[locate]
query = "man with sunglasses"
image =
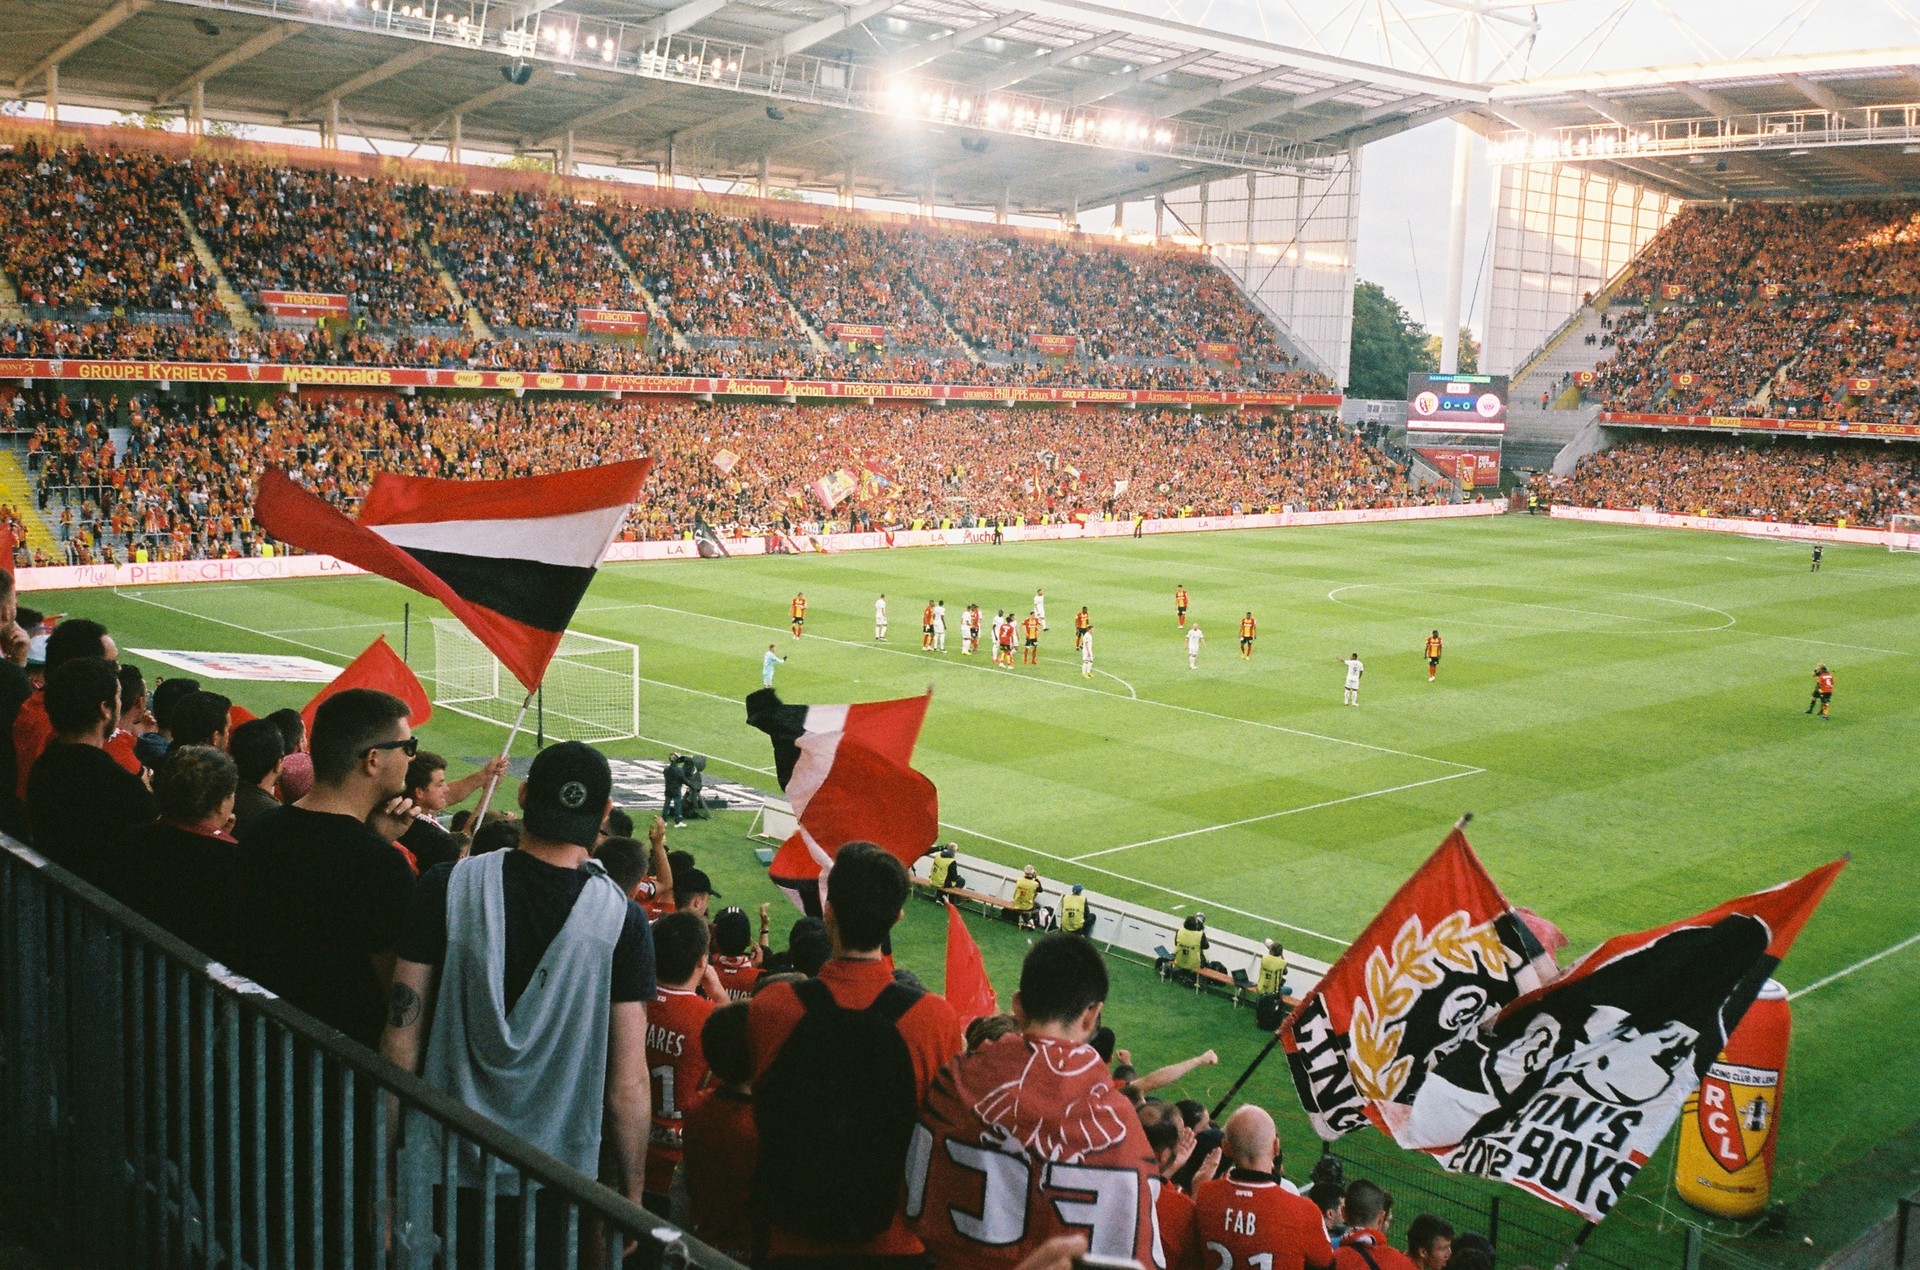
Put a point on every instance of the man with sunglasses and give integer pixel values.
(321, 887)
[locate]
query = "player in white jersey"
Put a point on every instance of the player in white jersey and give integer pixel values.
(1086, 654)
(1040, 607)
(880, 617)
(1194, 640)
(1355, 669)
(940, 626)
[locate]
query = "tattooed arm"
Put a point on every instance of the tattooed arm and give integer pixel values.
(400, 1042)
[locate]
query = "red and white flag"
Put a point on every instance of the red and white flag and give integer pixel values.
(968, 990)
(511, 559)
(847, 772)
(380, 668)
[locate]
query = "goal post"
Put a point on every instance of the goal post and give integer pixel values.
(591, 691)
(1903, 533)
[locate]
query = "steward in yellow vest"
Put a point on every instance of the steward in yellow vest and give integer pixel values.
(1074, 917)
(1273, 969)
(1189, 942)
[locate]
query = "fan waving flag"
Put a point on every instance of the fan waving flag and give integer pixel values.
(1568, 1090)
(379, 668)
(511, 559)
(847, 771)
(1444, 955)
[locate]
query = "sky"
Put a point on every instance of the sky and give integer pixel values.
(1406, 180)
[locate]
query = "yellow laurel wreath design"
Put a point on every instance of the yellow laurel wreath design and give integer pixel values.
(1419, 962)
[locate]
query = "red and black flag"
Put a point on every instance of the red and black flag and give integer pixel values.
(1568, 1090)
(1445, 954)
(848, 774)
(511, 559)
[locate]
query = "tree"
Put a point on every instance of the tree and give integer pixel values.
(1387, 346)
(1469, 352)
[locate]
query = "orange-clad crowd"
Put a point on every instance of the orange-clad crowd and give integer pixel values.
(98, 245)
(1860, 483)
(1772, 309)
(182, 483)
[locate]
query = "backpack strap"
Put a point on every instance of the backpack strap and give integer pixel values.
(1366, 1253)
(895, 1000)
(815, 996)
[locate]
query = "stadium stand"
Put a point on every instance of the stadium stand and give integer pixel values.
(182, 486)
(1861, 483)
(99, 249)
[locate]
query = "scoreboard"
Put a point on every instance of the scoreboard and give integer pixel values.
(1474, 404)
(1457, 422)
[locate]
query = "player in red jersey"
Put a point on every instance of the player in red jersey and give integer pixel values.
(1180, 604)
(1006, 643)
(1246, 1218)
(1433, 655)
(675, 1060)
(1027, 1137)
(1822, 690)
(798, 612)
(1030, 627)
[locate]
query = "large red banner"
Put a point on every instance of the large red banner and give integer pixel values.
(611, 321)
(241, 373)
(1214, 351)
(1861, 385)
(1053, 345)
(1474, 468)
(314, 304)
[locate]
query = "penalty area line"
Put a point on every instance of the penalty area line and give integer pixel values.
(1275, 815)
(1861, 964)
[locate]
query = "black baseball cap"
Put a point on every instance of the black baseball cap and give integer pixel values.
(568, 789)
(694, 882)
(732, 933)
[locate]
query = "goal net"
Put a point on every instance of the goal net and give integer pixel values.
(591, 692)
(1904, 533)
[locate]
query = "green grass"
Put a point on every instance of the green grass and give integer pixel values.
(1622, 709)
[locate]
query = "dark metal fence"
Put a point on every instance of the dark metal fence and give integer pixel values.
(158, 1110)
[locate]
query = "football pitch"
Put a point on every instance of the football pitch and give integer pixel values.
(1621, 709)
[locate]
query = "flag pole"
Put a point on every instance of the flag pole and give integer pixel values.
(1579, 1241)
(505, 750)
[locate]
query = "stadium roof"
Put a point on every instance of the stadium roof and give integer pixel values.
(1816, 125)
(1050, 105)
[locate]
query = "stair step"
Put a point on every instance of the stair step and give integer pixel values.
(654, 308)
(238, 314)
(18, 492)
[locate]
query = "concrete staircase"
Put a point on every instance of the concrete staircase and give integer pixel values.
(17, 492)
(953, 337)
(12, 312)
(654, 308)
(239, 316)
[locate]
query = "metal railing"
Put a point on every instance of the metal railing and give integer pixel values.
(158, 1110)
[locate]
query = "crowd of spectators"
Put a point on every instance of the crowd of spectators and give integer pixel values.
(1772, 309)
(766, 1098)
(94, 241)
(1861, 483)
(88, 230)
(181, 485)
(292, 229)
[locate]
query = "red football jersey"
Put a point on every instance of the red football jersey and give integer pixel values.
(1243, 1216)
(1024, 1139)
(737, 975)
(678, 1069)
(722, 1146)
(1179, 1238)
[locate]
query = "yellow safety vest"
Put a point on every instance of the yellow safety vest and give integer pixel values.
(942, 870)
(1273, 973)
(1024, 892)
(1186, 949)
(1073, 912)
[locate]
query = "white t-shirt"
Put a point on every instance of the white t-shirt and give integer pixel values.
(1193, 640)
(1354, 667)
(1039, 604)
(879, 610)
